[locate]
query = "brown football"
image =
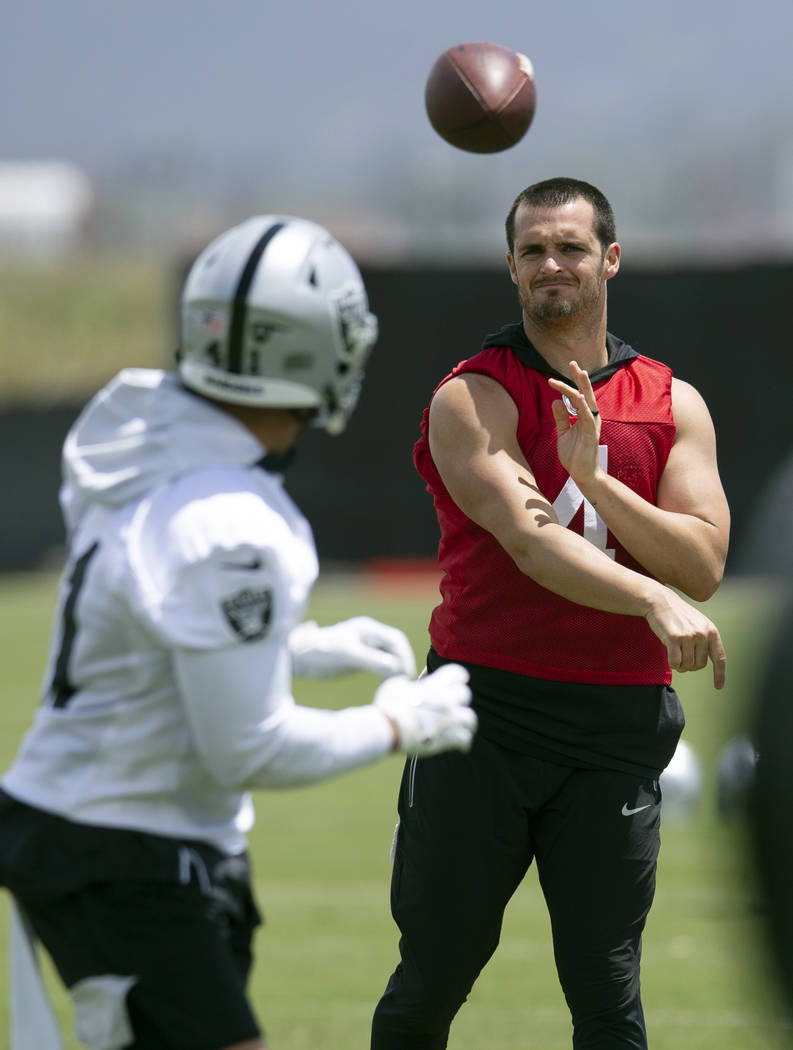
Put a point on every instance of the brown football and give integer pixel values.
(481, 97)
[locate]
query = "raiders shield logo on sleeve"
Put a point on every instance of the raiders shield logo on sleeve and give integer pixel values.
(249, 612)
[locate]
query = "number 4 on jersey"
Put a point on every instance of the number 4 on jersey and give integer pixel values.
(570, 499)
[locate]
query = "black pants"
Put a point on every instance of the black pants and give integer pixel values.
(470, 826)
(176, 918)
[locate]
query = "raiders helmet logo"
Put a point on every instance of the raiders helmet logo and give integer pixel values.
(249, 612)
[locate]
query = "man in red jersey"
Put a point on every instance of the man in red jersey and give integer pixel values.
(575, 483)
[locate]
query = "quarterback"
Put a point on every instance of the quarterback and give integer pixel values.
(576, 487)
(123, 818)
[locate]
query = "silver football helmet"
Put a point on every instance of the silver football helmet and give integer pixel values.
(681, 783)
(274, 313)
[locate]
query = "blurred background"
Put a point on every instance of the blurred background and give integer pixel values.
(132, 134)
(181, 115)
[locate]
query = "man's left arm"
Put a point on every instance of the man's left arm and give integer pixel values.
(681, 540)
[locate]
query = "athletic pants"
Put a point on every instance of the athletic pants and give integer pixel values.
(151, 935)
(470, 826)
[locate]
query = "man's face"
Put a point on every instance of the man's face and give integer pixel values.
(558, 264)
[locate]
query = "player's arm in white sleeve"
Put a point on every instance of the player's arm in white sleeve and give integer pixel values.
(226, 608)
(251, 733)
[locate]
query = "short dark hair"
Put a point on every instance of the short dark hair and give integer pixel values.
(553, 193)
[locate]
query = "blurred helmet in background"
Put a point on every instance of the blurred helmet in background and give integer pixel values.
(274, 314)
(735, 774)
(681, 783)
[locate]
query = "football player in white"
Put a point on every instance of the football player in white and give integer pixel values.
(123, 819)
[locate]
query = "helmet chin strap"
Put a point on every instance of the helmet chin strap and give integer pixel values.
(277, 462)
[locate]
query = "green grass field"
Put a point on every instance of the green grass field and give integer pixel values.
(322, 871)
(69, 327)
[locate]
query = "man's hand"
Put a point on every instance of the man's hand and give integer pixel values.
(359, 644)
(577, 444)
(691, 639)
(432, 714)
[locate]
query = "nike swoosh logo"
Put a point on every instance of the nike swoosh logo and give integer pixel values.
(626, 812)
(243, 566)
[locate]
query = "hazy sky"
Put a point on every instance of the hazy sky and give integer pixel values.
(681, 111)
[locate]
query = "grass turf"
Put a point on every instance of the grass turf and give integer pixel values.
(68, 328)
(321, 865)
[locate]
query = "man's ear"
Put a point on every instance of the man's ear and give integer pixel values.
(611, 261)
(511, 265)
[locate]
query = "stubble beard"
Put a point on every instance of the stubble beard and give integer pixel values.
(551, 309)
(557, 309)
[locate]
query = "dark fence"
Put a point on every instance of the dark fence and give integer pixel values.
(725, 331)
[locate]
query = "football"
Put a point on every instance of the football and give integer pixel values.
(481, 97)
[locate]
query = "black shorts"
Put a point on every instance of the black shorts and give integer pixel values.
(175, 918)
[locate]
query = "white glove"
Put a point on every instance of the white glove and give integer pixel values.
(431, 714)
(359, 644)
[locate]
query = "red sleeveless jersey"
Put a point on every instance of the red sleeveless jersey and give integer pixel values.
(494, 615)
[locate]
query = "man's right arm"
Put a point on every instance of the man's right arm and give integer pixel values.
(473, 441)
(250, 732)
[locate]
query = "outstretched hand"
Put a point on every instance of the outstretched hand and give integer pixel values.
(577, 443)
(432, 714)
(359, 644)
